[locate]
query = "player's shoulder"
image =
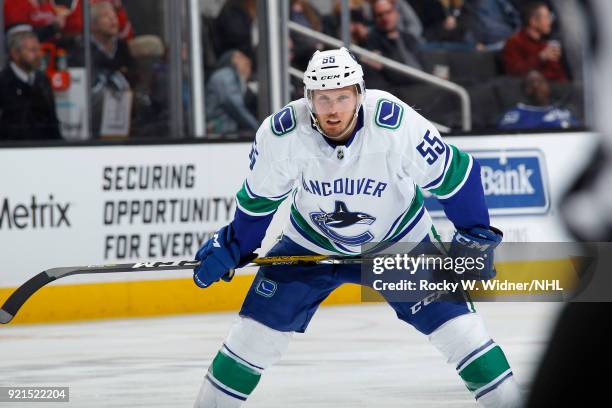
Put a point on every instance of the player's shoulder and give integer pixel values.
(277, 133)
(288, 120)
(388, 113)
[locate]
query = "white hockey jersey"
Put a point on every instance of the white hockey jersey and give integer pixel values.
(366, 191)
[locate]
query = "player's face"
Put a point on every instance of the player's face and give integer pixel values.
(334, 109)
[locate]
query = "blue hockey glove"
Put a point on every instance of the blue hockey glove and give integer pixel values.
(478, 244)
(218, 256)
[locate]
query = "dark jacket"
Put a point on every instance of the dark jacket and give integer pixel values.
(233, 30)
(105, 65)
(433, 19)
(494, 21)
(27, 112)
(378, 41)
(109, 72)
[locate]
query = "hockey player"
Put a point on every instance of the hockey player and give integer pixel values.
(353, 163)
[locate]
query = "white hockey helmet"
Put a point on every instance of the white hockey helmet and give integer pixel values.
(333, 69)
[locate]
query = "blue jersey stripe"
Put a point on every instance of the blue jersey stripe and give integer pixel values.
(439, 179)
(410, 226)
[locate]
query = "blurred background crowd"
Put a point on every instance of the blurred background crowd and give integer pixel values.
(507, 55)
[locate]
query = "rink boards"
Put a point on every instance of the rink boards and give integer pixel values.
(63, 206)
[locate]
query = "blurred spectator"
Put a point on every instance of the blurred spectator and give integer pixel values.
(151, 98)
(303, 13)
(358, 18)
(388, 40)
(538, 113)
(110, 55)
(493, 22)
(46, 21)
(226, 94)
(409, 19)
(296, 85)
(112, 63)
(236, 28)
(27, 105)
(446, 22)
(74, 21)
(529, 48)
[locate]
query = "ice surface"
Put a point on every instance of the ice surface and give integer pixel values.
(351, 356)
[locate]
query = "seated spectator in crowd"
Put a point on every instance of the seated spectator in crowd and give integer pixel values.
(409, 20)
(530, 49)
(236, 28)
(446, 24)
(303, 13)
(226, 94)
(358, 18)
(538, 113)
(74, 20)
(493, 22)
(27, 104)
(46, 20)
(388, 40)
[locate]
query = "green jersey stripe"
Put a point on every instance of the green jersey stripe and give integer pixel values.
(256, 205)
(457, 172)
(484, 369)
(253, 214)
(415, 207)
(461, 183)
(234, 375)
(314, 236)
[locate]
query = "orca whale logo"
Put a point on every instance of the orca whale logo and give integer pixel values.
(341, 217)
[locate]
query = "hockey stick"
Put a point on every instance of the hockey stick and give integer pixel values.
(25, 291)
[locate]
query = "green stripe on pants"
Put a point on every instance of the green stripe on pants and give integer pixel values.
(484, 369)
(233, 374)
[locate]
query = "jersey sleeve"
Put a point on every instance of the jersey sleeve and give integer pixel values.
(266, 186)
(448, 173)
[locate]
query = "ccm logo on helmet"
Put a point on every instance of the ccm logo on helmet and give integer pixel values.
(324, 77)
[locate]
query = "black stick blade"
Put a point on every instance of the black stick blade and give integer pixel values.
(21, 295)
(5, 316)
